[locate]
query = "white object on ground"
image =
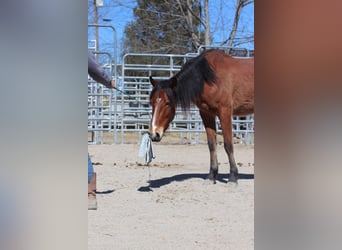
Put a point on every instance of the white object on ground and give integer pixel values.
(146, 148)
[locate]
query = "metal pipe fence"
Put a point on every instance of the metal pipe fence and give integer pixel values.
(117, 113)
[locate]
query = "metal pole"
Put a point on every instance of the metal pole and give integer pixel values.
(96, 20)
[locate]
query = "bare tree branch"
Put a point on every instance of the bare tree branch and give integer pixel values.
(239, 7)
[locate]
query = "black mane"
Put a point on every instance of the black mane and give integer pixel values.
(190, 81)
(191, 78)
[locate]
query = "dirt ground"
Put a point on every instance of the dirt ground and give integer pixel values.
(177, 208)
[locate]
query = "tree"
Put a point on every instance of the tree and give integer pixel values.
(162, 26)
(180, 26)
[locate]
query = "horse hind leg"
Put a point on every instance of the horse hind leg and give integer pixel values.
(213, 171)
(234, 174)
(210, 128)
(226, 125)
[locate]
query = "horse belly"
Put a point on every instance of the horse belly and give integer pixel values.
(243, 110)
(243, 99)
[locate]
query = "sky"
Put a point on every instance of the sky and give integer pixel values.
(221, 13)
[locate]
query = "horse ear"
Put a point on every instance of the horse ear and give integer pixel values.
(153, 82)
(173, 82)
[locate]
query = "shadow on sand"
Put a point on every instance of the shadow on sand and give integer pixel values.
(105, 192)
(182, 177)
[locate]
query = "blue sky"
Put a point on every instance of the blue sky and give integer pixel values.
(221, 18)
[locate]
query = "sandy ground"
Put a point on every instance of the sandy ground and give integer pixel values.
(178, 208)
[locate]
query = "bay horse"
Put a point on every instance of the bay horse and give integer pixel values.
(220, 86)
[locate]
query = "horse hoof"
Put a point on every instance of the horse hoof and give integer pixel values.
(233, 178)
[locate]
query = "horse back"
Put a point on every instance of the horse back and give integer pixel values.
(235, 82)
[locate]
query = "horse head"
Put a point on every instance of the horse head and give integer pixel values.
(163, 102)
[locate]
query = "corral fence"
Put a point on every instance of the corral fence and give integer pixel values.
(118, 113)
(101, 100)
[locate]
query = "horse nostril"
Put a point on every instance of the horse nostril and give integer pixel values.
(156, 137)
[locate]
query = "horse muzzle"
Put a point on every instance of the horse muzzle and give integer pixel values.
(156, 133)
(156, 136)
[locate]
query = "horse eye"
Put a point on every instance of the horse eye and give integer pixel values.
(168, 103)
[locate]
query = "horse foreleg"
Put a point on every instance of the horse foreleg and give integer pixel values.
(227, 130)
(210, 129)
